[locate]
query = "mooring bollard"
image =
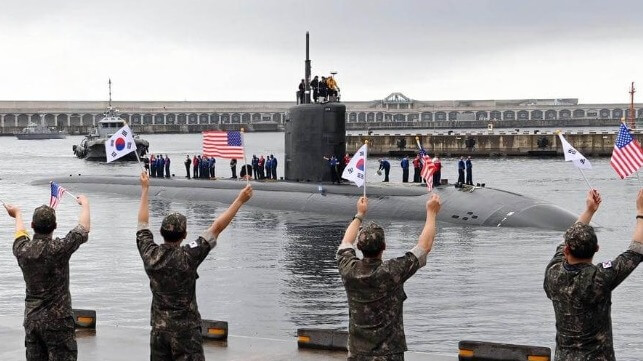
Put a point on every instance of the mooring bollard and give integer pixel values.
(214, 330)
(84, 318)
(490, 351)
(322, 339)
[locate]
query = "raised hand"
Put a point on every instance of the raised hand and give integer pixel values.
(82, 200)
(362, 205)
(13, 211)
(593, 200)
(433, 204)
(145, 180)
(245, 194)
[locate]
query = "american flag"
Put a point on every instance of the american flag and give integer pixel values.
(220, 144)
(56, 194)
(627, 156)
(427, 171)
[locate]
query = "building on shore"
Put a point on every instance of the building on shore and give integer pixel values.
(394, 111)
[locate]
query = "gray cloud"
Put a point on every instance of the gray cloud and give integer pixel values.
(375, 45)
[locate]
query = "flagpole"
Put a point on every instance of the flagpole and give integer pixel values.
(137, 158)
(245, 162)
(365, 158)
(135, 147)
(586, 181)
(638, 177)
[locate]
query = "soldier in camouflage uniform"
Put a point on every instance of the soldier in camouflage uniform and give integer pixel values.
(172, 270)
(44, 260)
(375, 288)
(582, 292)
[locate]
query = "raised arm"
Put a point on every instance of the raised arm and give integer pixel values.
(222, 221)
(84, 219)
(592, 201)
(638, 231)
(350, 236)
(14, 212)
(144, 208)
(428, 233)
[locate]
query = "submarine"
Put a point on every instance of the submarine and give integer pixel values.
(317, 130)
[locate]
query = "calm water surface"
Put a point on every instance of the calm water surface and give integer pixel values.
(274, 271)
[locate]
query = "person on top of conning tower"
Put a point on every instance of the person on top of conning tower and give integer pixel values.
(314, 84)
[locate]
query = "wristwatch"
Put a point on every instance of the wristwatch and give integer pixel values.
(357, 216)
(639, 217)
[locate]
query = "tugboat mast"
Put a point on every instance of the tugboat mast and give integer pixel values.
(631, 115)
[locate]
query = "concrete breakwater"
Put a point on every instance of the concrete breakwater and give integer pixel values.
(164, 129)
(487, 143)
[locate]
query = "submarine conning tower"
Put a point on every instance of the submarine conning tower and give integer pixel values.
(313, 131)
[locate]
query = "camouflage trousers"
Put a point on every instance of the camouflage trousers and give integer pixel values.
(392, 357)
(52, 341)
(176, 346)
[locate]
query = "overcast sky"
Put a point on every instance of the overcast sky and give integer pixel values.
(255, 49)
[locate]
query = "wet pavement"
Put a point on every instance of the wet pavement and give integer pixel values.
(110, 343)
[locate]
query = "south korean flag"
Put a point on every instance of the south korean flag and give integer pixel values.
(355, 171)
(572, 154)
(120, 144)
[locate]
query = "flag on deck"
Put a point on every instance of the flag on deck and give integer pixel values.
(220, 144)
(355, 171)
(572, 154)
(422, 152)
(56, 195)
(120, 144)
(428, 168)
(627, 157)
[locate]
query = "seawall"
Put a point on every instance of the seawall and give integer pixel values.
(488, 143)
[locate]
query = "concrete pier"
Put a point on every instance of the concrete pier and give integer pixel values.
(488, 143)
(127, 343)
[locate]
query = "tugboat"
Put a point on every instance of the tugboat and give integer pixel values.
(92, 147)
(35, 132)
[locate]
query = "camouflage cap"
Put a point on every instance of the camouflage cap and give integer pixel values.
(370, 239)
(581, 240)
(43, 217)
(174, 222)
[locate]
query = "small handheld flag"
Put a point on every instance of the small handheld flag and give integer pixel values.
(427, 171)
(572, 154)
(355, 171)
(422, 152)
(56, 195)
(627, 156)
(576, 157)
(120, 144)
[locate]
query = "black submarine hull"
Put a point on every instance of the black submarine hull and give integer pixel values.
(460, 206)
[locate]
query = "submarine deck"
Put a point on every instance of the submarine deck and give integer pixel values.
(469, 206)
(127, 343)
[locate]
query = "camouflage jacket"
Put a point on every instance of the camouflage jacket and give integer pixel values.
(375, 295)
(172, 272)
(582, 298)
(45, 267)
